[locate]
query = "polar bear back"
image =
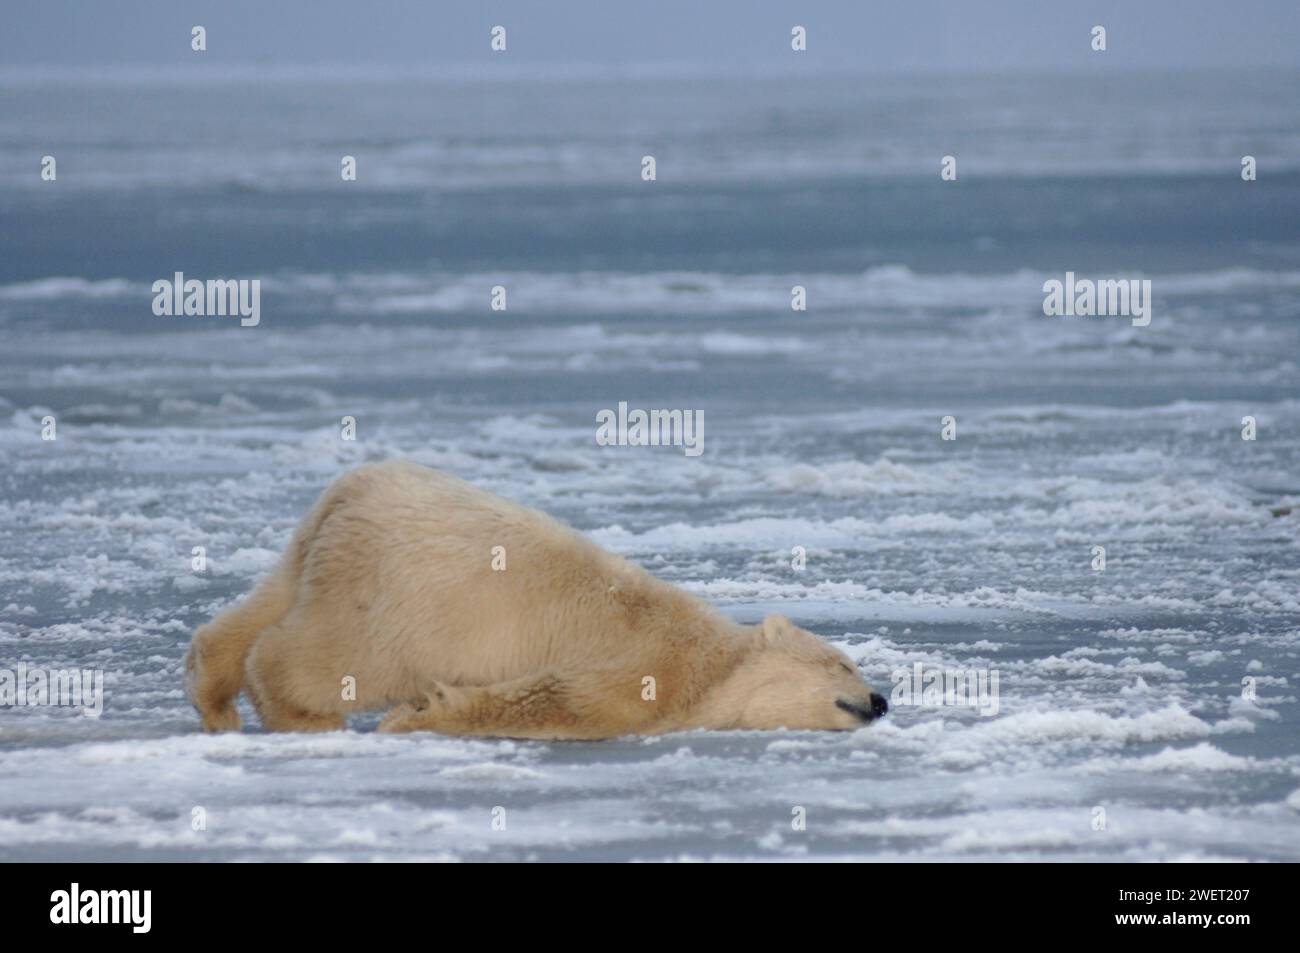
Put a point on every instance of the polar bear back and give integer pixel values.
(402, 567)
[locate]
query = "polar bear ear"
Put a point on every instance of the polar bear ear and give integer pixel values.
(775, 626)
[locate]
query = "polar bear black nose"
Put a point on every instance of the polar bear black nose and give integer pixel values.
(878, 706)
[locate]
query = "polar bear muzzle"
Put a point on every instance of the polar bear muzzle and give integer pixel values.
(867, 713)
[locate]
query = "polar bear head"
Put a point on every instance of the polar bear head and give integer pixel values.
(792, 679)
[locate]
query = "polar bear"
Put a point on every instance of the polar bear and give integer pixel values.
(467, 614)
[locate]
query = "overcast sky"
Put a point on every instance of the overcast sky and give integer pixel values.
(863, 34)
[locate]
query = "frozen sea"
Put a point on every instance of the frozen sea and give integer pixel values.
(1120, 690)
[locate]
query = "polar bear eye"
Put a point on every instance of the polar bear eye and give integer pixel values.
(847, 667)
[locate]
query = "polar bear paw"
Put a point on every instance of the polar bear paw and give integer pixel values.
(423, 716)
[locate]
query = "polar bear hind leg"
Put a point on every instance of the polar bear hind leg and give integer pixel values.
(283, 690)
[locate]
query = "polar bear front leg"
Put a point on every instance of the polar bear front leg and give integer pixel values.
(546, 707)
(435, 713)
